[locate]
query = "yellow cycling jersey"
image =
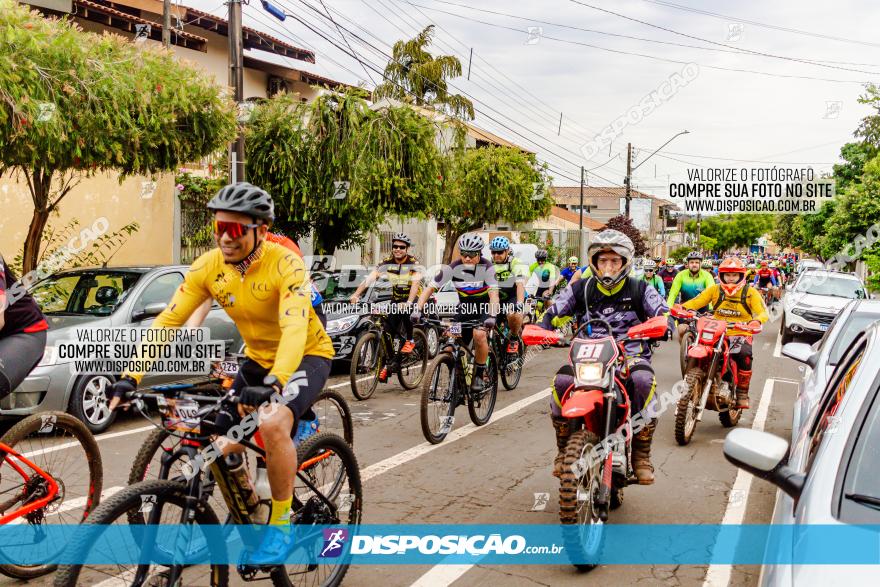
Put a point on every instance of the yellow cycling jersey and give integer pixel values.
(270, 305)
(732, 309)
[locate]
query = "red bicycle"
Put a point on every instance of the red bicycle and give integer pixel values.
(47, 483)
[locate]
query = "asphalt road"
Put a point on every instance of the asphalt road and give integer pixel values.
(496, 473)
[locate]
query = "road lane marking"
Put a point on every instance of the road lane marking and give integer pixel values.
(74, 503)
(738, 500)
(409, 454)
(442, 575)
(777, 350)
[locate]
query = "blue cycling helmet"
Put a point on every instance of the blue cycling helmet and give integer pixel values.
(499, 243)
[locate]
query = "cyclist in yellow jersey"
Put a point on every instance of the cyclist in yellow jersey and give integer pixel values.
(265, 289)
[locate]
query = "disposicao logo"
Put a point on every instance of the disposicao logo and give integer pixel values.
(334, 542)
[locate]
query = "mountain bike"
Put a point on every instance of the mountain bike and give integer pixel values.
(447, 383)
(56, 478)
(510, 362)
(323, 495)
(376, 350)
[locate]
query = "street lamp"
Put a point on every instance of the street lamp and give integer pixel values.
(684, 132)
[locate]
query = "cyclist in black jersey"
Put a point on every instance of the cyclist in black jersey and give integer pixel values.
(22, 331)
(404, 273)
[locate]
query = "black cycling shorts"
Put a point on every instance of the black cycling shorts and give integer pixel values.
(317, 370)
(19, 354)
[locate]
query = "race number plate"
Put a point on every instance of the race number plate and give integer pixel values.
(229, 368)
(455, 328)
(184, 415)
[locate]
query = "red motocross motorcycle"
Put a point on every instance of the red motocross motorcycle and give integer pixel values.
(598, 455)
(710, 376)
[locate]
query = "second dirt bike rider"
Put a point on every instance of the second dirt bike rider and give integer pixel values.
(690, 283)
(734, 301)
(623, 301)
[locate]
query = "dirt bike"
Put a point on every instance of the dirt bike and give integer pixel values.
(711, 376)
(598, 407)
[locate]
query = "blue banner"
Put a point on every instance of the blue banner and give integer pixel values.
(446, 544)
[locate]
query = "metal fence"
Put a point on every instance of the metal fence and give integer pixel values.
(195, 231)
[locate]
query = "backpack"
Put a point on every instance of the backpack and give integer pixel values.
(634, 290)
(742, 299)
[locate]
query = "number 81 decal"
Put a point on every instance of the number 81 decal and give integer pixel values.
(589, 351)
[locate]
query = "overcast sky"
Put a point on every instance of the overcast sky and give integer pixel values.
(521, 82)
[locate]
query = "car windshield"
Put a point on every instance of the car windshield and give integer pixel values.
(856, 324)
(339, 286)
(824, 285)
(90, 293)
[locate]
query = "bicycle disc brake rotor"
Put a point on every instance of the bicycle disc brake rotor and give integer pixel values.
(36, 488)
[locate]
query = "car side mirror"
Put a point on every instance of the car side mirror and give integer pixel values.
(801, 352)
(763, 455)
(150, 311)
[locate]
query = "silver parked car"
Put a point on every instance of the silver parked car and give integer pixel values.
(815, 299)
(104, 297)
(830, 476)
(820, 359)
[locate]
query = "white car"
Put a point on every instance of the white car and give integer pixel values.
(815, 300)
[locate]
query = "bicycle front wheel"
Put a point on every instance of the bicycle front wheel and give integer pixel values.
(367, 360)
(113, 516)
(413, 364)
(328, 491)
(482, 404)
(63, 447)
(438, 398)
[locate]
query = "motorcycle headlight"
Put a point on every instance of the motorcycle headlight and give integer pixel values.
(50, 357)
(590, 373)
(341, 324)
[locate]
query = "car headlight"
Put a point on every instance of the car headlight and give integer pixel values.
(590, 373)
(341, 324)
(798, 311)
(50, 357)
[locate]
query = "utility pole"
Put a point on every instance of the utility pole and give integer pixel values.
(629, 160)
(236, 80)
(166, 23)
(581, 219)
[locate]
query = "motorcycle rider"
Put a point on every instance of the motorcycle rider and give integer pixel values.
(689, 284)
(651, 277)
(668, 272)
(734, 301)
(623, 301)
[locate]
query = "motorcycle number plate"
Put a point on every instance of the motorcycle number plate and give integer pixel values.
(589, 351)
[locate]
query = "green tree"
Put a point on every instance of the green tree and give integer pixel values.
(855, 155)
(301, 152)
(413, 74)
(733, 230)
(626, 226)
(73, 104)
(488, 185)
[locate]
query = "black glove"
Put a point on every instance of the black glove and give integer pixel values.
(257, 395)
(121, 388)
(489, 323)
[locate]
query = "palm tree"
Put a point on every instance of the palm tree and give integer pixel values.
(415, 75)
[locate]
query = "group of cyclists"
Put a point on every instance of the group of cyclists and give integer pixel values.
(289, 352)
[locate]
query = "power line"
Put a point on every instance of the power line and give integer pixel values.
(733, 50)
(646, 56)
(487, 115)
(364, 67)
(711, 42)
(765, 25)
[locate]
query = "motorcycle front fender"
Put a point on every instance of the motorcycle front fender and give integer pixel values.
(699, 352)
(583, 404)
